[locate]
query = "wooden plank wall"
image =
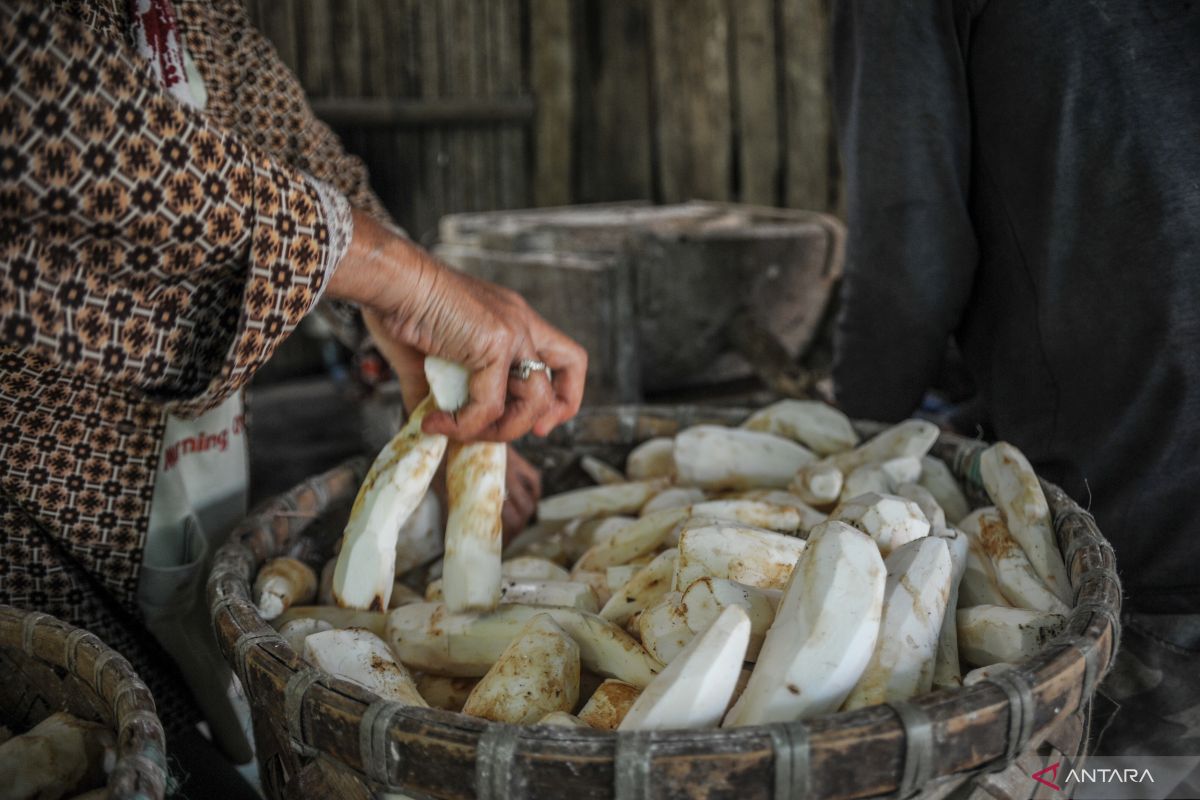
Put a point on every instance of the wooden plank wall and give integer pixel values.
(462, 105)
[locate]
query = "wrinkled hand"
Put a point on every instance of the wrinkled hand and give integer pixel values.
(415, 306)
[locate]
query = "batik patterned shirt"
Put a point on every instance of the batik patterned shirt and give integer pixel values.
(152, 257)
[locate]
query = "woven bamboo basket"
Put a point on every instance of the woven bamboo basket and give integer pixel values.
(321, 736)
(48, 666)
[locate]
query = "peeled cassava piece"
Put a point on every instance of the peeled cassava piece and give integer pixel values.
(540, 540)
(361, 657)
(475, 488)
(597, 580)
(824, 632)
(570, 594)
(616, 498)
(651, 531)
(471, 563)
(59, 757)
(947, 672)
(1015, 489)
(618, 576)
(1015, 576)
(890, 520)
(538, 673)
(939, 480)
(336, 617)
(428, 638)
(647, 585)
(530, 568)
(978, 586)
(281, 583)
(869, 478)
(653, 458)
(420, 537)
(990, 634)
(714, 457)
(295, 631)
(818, 484)
(724, 550)
(707, 598)
(608, 705)
(912, 437)
(585, 534)
(809, 516)
(694, 690)
(919, 575)
(663, 628)
(673, 497)
(819, 427)
(637, 539)
(600, 472)
(928, 504)
(394, 486)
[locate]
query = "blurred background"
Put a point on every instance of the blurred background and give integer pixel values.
(475, 105)
(467, 106)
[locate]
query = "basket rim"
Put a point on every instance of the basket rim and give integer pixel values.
(1087, 645)
(140, 772)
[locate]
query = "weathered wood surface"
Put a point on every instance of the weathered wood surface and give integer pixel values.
(708, 279)
(691, 99)
(614, 116)
(807, 107)
(488, 104)
(48, 666)
(552, 67)
(756, 102)
(856, 754)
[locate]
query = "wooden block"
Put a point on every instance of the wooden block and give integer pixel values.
(694, 268)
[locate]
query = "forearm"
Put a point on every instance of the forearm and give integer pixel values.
(381, 270)
(184, 265)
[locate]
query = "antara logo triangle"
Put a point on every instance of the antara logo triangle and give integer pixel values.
(1053, 770)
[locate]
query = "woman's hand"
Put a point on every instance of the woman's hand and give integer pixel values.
(416, 306)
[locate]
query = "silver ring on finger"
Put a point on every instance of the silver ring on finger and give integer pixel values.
(527, 366)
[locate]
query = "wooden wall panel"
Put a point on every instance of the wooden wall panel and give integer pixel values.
(614, 126)
(809, 119)
(552, 75)
(693, 113)
(463, 105)
(756, 101)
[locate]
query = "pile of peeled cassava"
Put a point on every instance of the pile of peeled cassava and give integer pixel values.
(729, 576)
(62, 756)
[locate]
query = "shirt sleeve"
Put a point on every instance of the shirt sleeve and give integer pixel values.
(264, 103)
(139, 242)
(904, 127)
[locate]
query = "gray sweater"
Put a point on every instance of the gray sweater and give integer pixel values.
(1025, 176)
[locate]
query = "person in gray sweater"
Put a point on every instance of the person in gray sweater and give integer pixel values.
(1024, 178)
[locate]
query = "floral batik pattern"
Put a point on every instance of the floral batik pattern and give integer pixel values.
(152, 257)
